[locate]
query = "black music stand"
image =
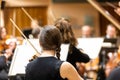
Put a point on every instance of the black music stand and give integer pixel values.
(106, 49)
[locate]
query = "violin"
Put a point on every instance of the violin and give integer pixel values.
(117, 59)
(113, 62)
(3, 44)
(110, 65)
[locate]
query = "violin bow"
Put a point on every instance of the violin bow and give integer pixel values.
(27, 13)
(105, 13)
(25, 37)
(29, 16)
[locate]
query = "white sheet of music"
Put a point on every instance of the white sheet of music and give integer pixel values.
(91, 46)
(64, 52)
(21, 57)
(35, 43)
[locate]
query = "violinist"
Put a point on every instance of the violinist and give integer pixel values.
(28, 32)
(115, 73)
(7, 47)
(47, 66)
(3, 37)
(75, 55)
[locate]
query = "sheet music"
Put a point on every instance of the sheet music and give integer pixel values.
(64, 52)
(34, 42)
(91, 46)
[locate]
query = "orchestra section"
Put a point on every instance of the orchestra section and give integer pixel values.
(15, 18)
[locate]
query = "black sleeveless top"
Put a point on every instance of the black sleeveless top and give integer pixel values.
(44, 68)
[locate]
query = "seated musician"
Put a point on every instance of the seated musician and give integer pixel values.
(86, 31)
(111, 31)
(47, 66)
(104, 59)
(28, 32)
(7, 47)
(114, 74)
(6, 40)
(75, 55)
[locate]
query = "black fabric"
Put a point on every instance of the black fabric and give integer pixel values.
(3, 68)
(77, 56)
(115, 74)
(44, 68)
(2, 62)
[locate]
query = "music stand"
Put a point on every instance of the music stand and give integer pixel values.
(22, 55)
(103, 55)
(111, 40)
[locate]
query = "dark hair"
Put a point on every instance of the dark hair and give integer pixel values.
(35, 32)
(50, 39)
(65, 28)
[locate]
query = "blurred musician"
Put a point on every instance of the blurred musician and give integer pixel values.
(108, 54)
(75, 55)
(35, 32)
(3, 38)
(7, 47)
(6, 41)
(86, 31)
(114, 74)
(111, 31)
(28, 32)
(5, 53)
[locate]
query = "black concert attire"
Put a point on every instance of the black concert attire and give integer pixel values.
(44, 68)
(75, 55)
(114, 74)
(3, 68)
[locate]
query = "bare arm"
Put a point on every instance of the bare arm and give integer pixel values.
(69, 72)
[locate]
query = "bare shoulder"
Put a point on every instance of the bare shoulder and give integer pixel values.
(68, 71)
